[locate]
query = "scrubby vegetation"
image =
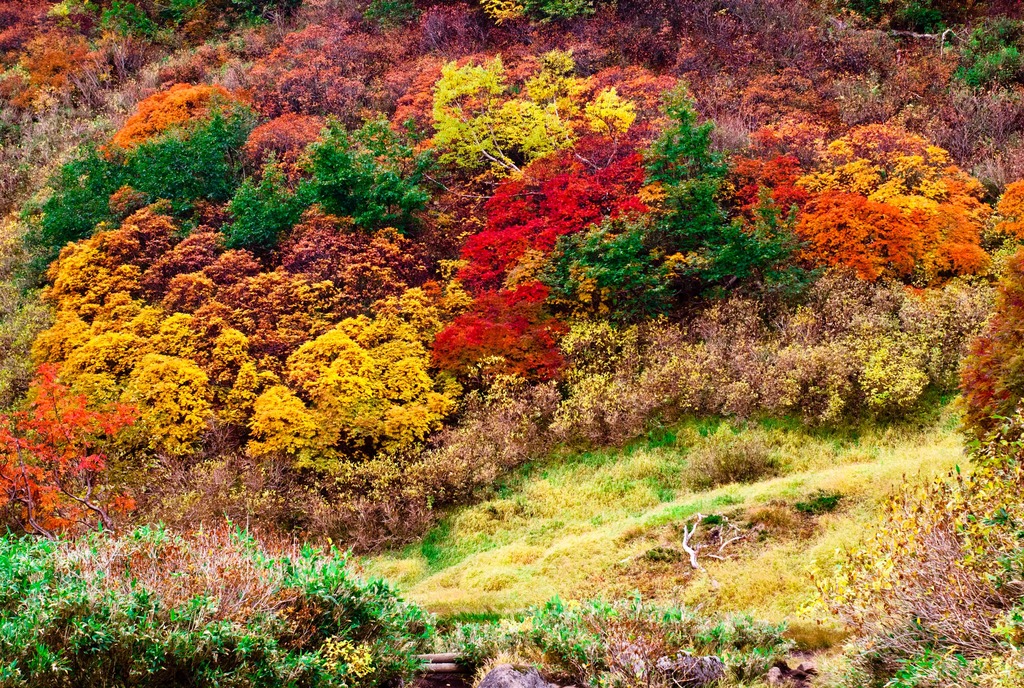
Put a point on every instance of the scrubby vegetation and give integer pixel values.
(477, 289)
(152, 608)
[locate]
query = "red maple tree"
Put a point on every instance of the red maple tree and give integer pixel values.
(52, 459)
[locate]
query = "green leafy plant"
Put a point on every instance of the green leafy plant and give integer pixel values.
(390, 13)
(821, 502)
(586, 642)
(370, 175)
(609, 271)
(152, 608)
(263, 212)
(992, 54)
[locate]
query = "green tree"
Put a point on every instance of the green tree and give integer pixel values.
(370, 175)
(79, 202)
(185, 166)
(703, 247)
(609, 271)
(262, 212)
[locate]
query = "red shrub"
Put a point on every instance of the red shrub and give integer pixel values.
(504, 332)
(363, 267)
(557, 195)
(777, 175)
(323, 70)
(52, 461)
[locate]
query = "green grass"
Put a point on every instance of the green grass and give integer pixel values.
(580, 525)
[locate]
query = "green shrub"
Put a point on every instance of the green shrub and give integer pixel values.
(390, 13)
(609, 270)
(992, 54)
(153, 608)
(821, 502)
(127, 19)
(263, 212)
(79, 202)
(607, 644)
(370, 175)
(185, 166)
(928, 16)
(558, 9)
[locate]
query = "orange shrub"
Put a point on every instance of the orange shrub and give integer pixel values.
(285, 137)
(893, 172)
(179, 104)
(1011, 210)
(874, 239)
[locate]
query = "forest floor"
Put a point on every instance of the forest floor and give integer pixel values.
(607, 523)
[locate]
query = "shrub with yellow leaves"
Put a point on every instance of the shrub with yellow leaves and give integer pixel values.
(943, 573)
(480, 122)
(362, 387)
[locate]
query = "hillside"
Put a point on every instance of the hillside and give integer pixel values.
(604, 524)
(620, 339)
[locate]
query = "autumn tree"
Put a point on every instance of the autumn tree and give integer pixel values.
(1010, 211)
(993, 377)
(284, 139)
(941, 212)
(365, 268)
(370, 175)
(179, 105)
(362, 387)
(174, 401)
(480, 123)
(54, 460)
(503, 333)
(874, 239)
(556, 195)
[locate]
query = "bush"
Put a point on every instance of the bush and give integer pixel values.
(993, 378)
(183, 166)
(370, 175)
(992, 54)
(935, 592)
(915, 15)
(821, 502)
(263, 212)
(80, 201)
(629, 643)
(727, 457)
(152, 608)
(390, 13)
(188, 166)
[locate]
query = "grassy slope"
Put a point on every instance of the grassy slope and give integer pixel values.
(591, 524)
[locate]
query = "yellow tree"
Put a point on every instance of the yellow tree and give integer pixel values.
(174, 401)
(361, 388)
(481, 122)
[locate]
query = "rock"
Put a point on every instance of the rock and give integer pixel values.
(687, 671)
(782, 675)
(508, 676)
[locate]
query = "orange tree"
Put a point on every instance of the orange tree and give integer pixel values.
(928, 214)
(53, 460)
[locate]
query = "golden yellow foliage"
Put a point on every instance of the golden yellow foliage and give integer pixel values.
(173, 397)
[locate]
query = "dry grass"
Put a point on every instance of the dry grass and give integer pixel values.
(581, 526)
